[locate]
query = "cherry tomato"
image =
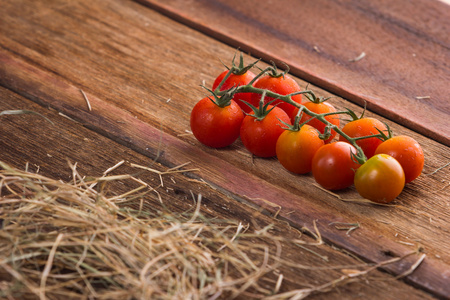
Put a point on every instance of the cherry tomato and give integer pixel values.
(321, 108)
(260, 136)
(333, 167)
(380, 179)
(235, 80)
(407, 152)
(282, 85)
(364, 127)
(216, 126)
(295, 149)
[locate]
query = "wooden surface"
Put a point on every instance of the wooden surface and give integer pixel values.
(141, 73)
(404, 72)
(54, 144)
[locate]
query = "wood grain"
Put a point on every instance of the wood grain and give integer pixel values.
(125, 129)
(65, 140)
(405, 70)
(141, 71)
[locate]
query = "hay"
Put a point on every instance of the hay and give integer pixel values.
(74, 240)
(71, 240)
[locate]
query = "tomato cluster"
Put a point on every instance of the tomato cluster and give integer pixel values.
(269, 115)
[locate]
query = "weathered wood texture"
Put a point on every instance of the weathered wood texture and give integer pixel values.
(405, 70)
(141, 73)
(55, 144)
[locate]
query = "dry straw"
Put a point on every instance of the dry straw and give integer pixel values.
(74, 240)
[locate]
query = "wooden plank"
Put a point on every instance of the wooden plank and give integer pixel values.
(404, 71)
(124, 128)
(141, 89)
(53, 146)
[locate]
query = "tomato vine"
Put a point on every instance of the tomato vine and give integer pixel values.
(249, 88)
(276, 122)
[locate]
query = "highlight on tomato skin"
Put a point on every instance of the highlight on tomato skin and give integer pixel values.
(365, 127)
(216, 126)
(380, 179)
(333, 167)
(407, 151)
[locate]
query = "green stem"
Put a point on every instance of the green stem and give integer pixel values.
(249, 88)
(378, 136)
(217, 90)
(360, 156)
(260, 74)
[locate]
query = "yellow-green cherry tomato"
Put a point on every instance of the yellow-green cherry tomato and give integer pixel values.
(380, 179)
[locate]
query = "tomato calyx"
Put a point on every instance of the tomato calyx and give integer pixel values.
(326, 133)
(381, 133)
(295, 126)
(359, 157)
(273, 71)
(263, 109)
(367, 132)
(223, 100)
(311, 96)
(353, 115)
(383, 136)
(328, 128)
(241, 69)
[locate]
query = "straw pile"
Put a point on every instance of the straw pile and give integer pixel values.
(75, 241)
(72, 240)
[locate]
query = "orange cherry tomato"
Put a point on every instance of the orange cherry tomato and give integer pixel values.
(295, 149)
(321, 108)
(364, 127)
(407, 152)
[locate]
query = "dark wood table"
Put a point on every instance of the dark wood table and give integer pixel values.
(140, 65)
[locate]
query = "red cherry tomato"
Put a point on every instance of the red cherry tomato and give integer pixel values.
(380, 179)
(321, 108)
(282, 85)
(407, 152)
(364, 127)
(260, 136)
(295, 149)
(235, 80)
(333, 167)
(216, 126)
